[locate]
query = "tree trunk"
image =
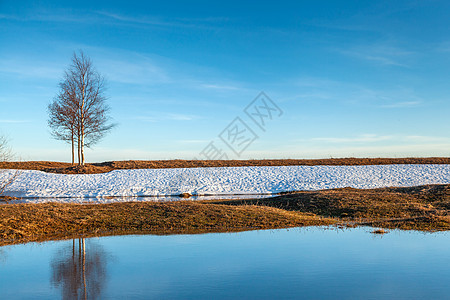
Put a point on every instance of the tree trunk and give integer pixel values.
(73, 148)
(79, 149)
(82, 138)
(82, 149)
(83, 97)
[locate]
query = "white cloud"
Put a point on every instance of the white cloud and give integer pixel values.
(405, 149)
(374, 138)
(219, 87)
(33, 69)
(166, 117)
(144, 71)
(149, 69)
(181, 117)
(426, 139)
(402, 104)
(199, 23)
(364, 138)
(148, 20)
(10, 121)
(443, 47)
(356, 94)
(193, 141)
(379, 53)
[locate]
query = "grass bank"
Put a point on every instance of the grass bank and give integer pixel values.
(21, 223)
(420, 208)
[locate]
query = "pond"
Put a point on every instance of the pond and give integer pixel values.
(311, 263)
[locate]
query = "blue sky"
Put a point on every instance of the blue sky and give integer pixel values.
(352, 78)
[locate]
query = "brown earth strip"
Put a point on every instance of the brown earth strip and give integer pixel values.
(67, 168)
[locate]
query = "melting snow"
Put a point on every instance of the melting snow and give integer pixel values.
(220, 181)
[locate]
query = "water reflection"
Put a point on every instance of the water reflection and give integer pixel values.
(311, 263)
(79, 270)
(2, 255)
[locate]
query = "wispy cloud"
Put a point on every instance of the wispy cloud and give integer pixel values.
(133, 72)
(317, 82)
(141, 68)
(426, 139)
(114, 18)
(33, 69)
(373, 18)
(351, 93)
(443, 47)
(374, 138)
(381, 54)
(193, 141)
(364, 138)
(402, 104)
(374, 150)
(367, 146)
(148, 20)
(181, 117)
(219, 87)
(55, 16)
(166, 117)
(203, 23)
(10, 121)
(8, 17)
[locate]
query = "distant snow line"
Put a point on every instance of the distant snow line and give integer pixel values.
(221, 180)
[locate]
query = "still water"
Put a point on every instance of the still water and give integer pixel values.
(311, 263)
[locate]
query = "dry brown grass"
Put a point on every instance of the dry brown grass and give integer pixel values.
(420, 208)
(67, 168)
(38, 222)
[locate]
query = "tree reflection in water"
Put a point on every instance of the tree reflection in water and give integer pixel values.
(2, 255)
(80, 271)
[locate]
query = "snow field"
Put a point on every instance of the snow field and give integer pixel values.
(219, 181)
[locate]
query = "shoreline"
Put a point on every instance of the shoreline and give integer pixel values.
(22, 223)
(424, 208)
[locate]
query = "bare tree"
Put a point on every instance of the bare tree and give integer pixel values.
(79, 112)
(5, 152)
(62, 118)
(6, 177)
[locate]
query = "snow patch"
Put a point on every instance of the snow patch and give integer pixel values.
(220, 181)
